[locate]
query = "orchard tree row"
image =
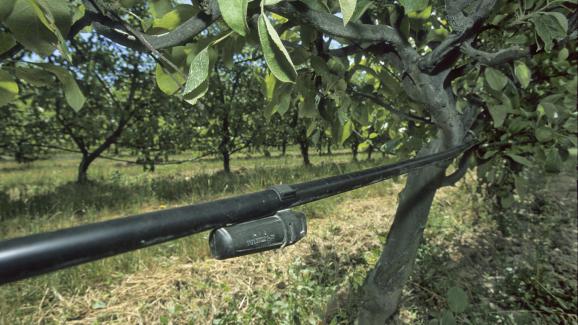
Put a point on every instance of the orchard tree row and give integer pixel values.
(124, 110)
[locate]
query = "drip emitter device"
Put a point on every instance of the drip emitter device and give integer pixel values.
(284, 228)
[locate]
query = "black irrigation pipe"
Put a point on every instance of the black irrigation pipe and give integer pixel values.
(37, 254)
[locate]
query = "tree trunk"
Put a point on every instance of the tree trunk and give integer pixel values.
(82, 176)
(304, 147)
(225, 141)
(383, 286)
(354, 146)
(369, 152)
(329, 147)
(226, 162)
(284, 146)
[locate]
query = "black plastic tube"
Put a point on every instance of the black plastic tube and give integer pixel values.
(33, 255)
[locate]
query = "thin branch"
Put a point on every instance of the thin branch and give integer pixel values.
(388, 107)
(97, 75)
(333, 25)
(464, 28)
(138, 36)
(181, 34)
(499, 57)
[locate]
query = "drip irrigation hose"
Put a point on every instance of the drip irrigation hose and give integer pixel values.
(37, 254)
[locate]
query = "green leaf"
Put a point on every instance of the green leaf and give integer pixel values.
(550, 26)
(447, 318)
(6, 7)
(128, 3)
(6, 42)
(414, 5)
(308, 107)
(35, 77)
(523, 73)
(457, 300)
(175, 17)
(197, 93)
(234, 13)
(347, 9)
(498, 113)
(346, 131)
(571, 125)
(168, 83)
(159, 8)
(421, 15)
(8, 88)
(360, 8)
(562, 21)
(544, 134)
(563, 54)
(74, 96)
(276, 55)
(520, 160)
(284, 103)
(363, 146)
(197, 81)
(269, 83)
(316, 5)
(495, 78)
(437, 35)
(44, 13)
(30, 29)
(553, 161)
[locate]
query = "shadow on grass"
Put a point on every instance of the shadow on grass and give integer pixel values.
(123, 193)
(524, 277)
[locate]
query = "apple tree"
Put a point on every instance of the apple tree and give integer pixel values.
(498, 72)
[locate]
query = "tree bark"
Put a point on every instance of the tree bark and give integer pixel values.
(85, 162)
(354, 147)
(383, 286)
(82, 176)
(284, 147)
(304, 147)
(225, 143)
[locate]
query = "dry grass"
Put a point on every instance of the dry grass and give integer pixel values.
(200, 290)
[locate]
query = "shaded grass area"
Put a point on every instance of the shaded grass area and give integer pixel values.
(47, 205)
(526, 277)
(127, 189)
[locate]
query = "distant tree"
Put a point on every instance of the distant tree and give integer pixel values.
(226, 120)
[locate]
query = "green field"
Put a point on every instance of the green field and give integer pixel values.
(525, 277)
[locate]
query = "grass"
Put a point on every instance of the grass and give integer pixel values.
(526, 277)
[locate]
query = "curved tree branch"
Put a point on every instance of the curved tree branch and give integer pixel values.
(464, 28)
(333, 25)
(494, 58)
(388, 107)
(109, 27)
